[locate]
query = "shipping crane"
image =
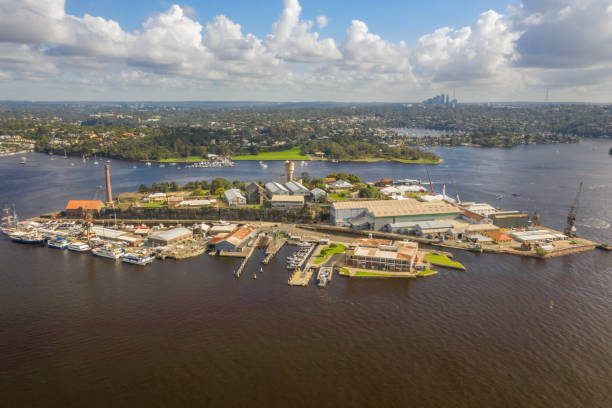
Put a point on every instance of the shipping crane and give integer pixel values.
(570, 228)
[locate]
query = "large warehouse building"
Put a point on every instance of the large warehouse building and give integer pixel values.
(379, 213)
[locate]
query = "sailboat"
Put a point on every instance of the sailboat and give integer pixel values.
(23, 160)
(83, 159)
(95, 160)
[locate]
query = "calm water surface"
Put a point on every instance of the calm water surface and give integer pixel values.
(81, 331)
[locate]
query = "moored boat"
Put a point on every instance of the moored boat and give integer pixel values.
(78, 246)
(108, 252)
(137, 259)
(57, 242)
(26, 237)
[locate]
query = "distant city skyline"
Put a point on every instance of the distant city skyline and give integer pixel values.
(291, 51)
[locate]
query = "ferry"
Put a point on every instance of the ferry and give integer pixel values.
(23, 160)
(78, 246)
(137, 259)
(58, 243)
(108, 252)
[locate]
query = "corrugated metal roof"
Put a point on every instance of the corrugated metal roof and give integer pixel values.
(390, 208)
(170, 234)
(296, 188)
(276, 188)
(233, 193)
(281, 198)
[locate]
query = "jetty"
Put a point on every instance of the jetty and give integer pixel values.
(273, 248)
(303, 273)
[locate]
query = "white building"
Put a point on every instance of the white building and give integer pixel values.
(234, 197)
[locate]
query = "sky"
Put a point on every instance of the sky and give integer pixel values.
(309, 50)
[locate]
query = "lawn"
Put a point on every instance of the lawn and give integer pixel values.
(382, 159)
(290, 154)
(338, 197)
(184, 159)
(442, 260)
(154, 205)
(345, 271)
(427, 272)
(329, 250)
(363, 273)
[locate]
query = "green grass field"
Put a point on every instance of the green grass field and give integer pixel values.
(382, 159)
(338, 197)
(371, 274)
(290, 154)
(442, 260)
(154, 205)
(427, 272)
(329, 250)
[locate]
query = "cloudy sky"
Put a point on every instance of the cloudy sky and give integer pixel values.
(287, 50)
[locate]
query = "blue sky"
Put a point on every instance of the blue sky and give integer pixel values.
(393, 20)
(306, 50)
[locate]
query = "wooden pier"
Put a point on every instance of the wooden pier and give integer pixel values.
(273, 248)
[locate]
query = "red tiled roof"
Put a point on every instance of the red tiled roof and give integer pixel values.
(87, 204)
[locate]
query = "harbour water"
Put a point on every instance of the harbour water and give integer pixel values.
(80, 330)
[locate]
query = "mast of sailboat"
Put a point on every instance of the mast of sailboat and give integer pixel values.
(429, 178)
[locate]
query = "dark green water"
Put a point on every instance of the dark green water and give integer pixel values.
(509, 332)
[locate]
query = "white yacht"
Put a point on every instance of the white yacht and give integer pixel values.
(108, 252)
(78, 246)
(137, 259)
(58, 243)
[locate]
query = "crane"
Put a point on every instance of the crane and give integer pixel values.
(98, 188)
(570, 228)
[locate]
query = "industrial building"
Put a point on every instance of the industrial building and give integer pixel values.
(116, 235)
(274, 188)
(483, 209)
(234, 197)
(255, 193)
(317, 195)
(340, 185)
(420, 228)
(510, 219)
(286, 202)
(398, 258)
(170, 236)
(537, 236)
(499, 237)
(296, 188)
(380, 213)
(76, 208)
(237, 240)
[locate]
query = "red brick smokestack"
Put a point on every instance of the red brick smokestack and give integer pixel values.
(109, 193)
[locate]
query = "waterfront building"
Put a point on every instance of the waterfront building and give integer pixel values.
(395, 258)
(483, 209)
(76, 208)
(537, 236)
(287, 202)
(170, 236)
(384, 212)
(499, 237)
(116, 235)
(223, 228)
(157, 198)
(237, 240)
(234, 197)
(510, 219)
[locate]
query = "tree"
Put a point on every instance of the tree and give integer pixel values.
(219, 192)
(239, 184)
(369, 192)
(198, 192)
(143, 188)
(220, 182)
(305, 178)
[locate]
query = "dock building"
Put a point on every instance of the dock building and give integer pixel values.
(237, 240)
(510, 219)
(380, 213)
(396, 258)
(169, 237)
(317, 195)
(76, 208)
